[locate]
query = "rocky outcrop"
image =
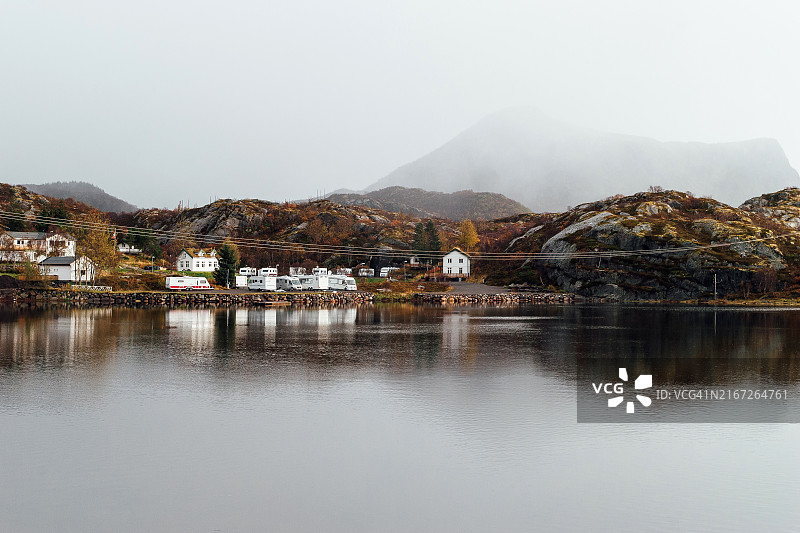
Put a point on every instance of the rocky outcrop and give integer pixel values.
(657, 246)
(782, 206)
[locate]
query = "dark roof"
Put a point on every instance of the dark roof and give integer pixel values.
(58, 260)
(35, 235)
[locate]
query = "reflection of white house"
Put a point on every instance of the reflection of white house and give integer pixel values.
(68, 268)
(455, 264)
(34, 245)
(197, 260)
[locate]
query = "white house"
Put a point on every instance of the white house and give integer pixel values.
(455, 263)
(128, 249)
(197, 260)
(68, 268)
(34, 246)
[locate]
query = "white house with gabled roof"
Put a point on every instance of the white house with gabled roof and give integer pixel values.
(456, 264)
(197, 260)
(35, 245)
(68, 268)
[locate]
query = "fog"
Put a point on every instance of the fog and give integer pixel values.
(159, 102)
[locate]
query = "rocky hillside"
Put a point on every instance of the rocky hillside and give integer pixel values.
(459, 205)
(549, 165)
(782, 206)
(645, 226)
(18, 199)
(86, 193)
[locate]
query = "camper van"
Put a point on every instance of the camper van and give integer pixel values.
(268, 271)
(341, 283)
(262, 283)
(288, 283)
(385, 271)
(187, 282)
(248, 271)
(313, 283)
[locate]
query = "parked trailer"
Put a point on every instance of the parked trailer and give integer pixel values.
(261, 283)
(341, 283)
(241, 282)
(187, 282)
(268, 271)
(248, 271)
(385, 271)
(313, 283)
(320, 271)
(288, 283)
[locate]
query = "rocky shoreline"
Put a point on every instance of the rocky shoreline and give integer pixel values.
(71, 298)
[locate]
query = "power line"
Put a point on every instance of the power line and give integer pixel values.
(362, 250)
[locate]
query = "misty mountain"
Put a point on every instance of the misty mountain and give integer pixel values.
(83, 192)
(550, 165)
(426, 204)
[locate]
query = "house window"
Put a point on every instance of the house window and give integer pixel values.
(460, 260)
(460, 270)
(449, 259)
(449, 270)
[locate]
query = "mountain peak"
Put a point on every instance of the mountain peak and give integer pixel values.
(549, 164)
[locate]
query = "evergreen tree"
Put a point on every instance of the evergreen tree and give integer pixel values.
(434, 243)
(56, 210)
(228, 261)
(469, 237)
(420, 241)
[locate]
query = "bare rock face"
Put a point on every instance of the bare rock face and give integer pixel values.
(782, 206)
(707, 238)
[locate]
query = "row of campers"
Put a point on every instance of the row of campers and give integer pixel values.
(320, 279)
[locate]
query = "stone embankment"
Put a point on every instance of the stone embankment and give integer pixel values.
(178, 299)
(27, 297)
(502, 298)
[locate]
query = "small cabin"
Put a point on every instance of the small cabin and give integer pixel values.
(456, 264)
(197, 260)
(68, 268)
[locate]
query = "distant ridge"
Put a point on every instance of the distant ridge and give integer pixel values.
(83, 192)
(458, 205)
(550, 165)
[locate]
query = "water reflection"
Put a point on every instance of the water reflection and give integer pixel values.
(408, 337)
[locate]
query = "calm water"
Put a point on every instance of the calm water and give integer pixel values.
(386, 418)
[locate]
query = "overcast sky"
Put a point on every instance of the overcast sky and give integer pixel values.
(158, 101)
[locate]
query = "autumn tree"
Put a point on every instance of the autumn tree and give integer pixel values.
(95, 239)
(228, 264)
(469, 237)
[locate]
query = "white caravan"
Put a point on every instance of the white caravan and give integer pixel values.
(341, 283)
(366, 272)
(288, 283)
(314, 283)
(187, 282)
(241, 282)
(268, 271)
(385, 271)
(319, 271)
(248, 271)
(262, 283)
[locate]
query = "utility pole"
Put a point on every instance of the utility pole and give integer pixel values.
(715, 286)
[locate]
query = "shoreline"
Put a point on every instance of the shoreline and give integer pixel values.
(24, 298)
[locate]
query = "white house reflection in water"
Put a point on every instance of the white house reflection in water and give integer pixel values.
(205, 329)
(60, 338)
